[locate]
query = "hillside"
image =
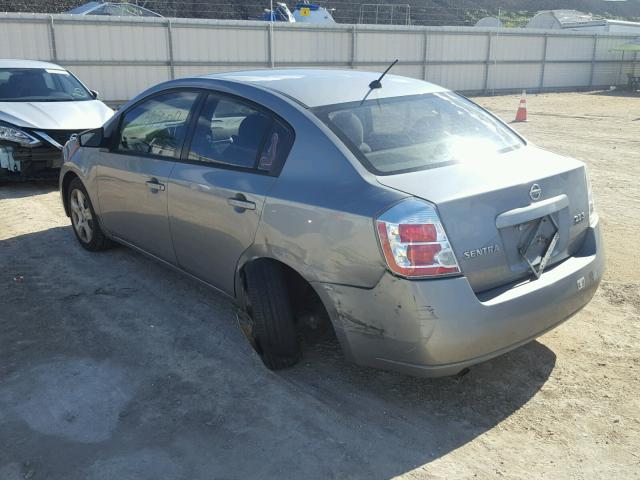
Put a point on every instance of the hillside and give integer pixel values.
(422, 12)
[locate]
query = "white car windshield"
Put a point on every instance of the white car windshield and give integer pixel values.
(40, 85)
(402, 134)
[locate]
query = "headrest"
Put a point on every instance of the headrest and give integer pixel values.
(351, 126)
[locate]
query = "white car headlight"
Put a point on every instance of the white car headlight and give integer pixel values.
(13, 134)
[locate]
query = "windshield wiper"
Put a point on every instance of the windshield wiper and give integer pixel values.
(378, 83)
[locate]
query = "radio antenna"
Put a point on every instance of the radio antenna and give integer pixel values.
(378, 83)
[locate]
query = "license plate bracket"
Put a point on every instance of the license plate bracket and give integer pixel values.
(539, 244)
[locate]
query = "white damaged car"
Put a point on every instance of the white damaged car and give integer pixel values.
(41, 106)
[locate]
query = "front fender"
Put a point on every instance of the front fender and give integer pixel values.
(83, 165)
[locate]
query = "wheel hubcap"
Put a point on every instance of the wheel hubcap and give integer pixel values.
(81, 216)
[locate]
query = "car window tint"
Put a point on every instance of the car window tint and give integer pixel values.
(229, 132)
(67, 84)
(40, 85)
(48, 81)
(399, 134)
(157, 126)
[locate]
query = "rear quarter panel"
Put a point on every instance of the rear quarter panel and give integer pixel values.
(318, 219)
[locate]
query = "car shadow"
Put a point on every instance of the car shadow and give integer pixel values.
(13, 189)
(114, 366)
(423, 418)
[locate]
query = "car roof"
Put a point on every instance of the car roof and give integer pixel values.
(318, 87)
(15, 63)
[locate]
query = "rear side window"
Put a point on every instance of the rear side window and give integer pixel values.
(231, 132)
(276, 147)
(156, 126)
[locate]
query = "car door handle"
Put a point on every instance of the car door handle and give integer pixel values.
(241, 204)
(155, 186)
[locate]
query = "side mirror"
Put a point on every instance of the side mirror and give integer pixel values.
(91, 138)
(95, 94)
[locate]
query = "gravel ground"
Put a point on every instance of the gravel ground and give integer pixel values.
(114, 367)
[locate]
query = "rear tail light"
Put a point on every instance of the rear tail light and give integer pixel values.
(414, 242)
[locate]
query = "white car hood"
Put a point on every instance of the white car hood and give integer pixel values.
(79, 115)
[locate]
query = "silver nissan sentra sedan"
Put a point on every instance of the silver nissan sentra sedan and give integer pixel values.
(430, 234)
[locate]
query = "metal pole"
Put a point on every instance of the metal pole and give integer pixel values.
(495, 65)
(272, 61)
(620, 71)
(425, 54)
(270, 34)
(593, 60)
(53, 51)
(544, 63)
(487, 65)
(354, 45)
(172, 70)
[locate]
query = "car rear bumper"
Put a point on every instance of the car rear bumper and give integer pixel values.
(439, 327)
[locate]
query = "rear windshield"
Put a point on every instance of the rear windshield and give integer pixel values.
(40, 85)
(403, 134)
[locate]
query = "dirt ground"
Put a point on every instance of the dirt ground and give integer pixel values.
(114, 367)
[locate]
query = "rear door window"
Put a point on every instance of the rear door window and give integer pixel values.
(233, 133)
(157, 126)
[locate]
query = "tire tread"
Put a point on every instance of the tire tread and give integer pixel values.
(272, 315)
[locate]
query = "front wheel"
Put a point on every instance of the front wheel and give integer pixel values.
(269, 306)
(84, 218)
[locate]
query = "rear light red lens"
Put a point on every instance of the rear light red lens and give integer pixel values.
(410, 233)
(422, 255)
(413, 241)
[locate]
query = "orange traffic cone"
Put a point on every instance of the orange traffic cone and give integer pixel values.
(521, 114)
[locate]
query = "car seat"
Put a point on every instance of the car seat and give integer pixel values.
(244, 149)
(349, 124)
(30, 85)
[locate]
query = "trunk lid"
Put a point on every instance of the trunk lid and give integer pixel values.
(492, 217)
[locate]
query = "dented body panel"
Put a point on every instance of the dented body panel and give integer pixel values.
(439, 327)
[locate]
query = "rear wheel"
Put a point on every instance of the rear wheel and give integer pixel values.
(84, 218)
(269, 307)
